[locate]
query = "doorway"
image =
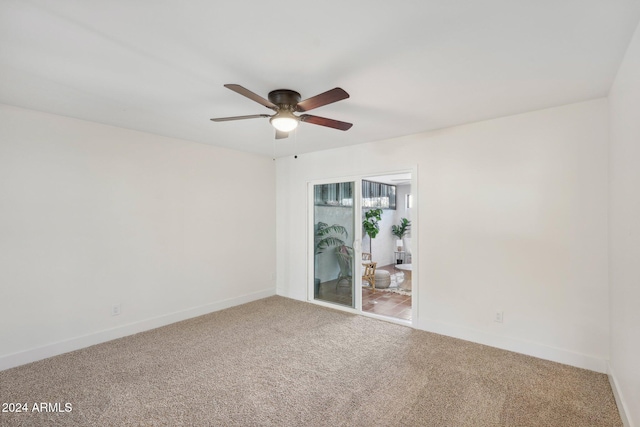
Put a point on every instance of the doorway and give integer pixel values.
(391, 295)
(344, 250)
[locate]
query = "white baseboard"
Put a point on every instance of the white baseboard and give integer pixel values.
(622, 406)
(518, 346)
(300, 296)
(54, 349)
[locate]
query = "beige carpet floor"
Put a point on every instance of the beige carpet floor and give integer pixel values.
(280, 362)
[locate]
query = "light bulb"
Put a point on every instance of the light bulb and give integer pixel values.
(284, 121)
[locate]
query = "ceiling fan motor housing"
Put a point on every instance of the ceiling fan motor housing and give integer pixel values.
(284, 97)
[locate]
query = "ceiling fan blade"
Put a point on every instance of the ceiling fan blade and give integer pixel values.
(226, 119)
(328, 97)
(322, 121)
(252, 96)
(281, 135)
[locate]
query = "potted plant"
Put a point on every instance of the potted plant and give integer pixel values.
(400, 231)
(371, 226)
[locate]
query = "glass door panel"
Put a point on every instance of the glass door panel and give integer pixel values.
(333, 261)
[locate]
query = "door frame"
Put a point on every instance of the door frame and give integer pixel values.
(357, 243)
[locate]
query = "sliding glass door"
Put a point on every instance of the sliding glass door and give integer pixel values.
(334, 268)
(336, 263)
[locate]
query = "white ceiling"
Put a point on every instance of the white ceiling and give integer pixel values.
(409, 66)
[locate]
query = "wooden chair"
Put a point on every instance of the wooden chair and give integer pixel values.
(369, 273)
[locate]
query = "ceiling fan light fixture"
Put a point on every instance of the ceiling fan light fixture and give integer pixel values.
(284, 121)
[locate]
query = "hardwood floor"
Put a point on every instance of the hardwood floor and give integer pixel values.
(338, 294)
(379, 302)
(386, 304)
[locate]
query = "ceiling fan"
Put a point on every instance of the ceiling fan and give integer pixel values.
(285, 102)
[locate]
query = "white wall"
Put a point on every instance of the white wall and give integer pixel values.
(512, 216)
(402, 212)
(624, 101)
(92, 215)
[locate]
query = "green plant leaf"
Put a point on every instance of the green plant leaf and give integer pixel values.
(328, 235)
(401, 230)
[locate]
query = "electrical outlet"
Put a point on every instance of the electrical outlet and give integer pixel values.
(115, 309)
(498, 316)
